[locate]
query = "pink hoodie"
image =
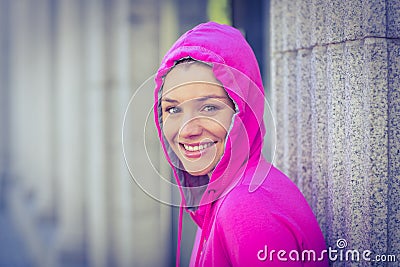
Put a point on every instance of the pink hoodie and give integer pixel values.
(248, 212)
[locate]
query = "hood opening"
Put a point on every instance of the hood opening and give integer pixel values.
(192, 187)
(233, 63)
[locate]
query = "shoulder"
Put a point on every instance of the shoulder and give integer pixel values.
(276, 195)
(276, 208)
(275, 215)
(243, 214)
(246, 222)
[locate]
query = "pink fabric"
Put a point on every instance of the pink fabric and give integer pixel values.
(248, 204)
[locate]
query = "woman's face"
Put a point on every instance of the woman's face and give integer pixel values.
(196, 115)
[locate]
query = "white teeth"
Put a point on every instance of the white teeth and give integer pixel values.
(197, 148)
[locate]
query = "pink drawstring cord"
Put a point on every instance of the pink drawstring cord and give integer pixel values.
(178, 242)
(204, 229)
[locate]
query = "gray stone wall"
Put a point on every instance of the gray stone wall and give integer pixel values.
(335, 69)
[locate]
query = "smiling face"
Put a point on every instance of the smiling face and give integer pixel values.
(196, 115)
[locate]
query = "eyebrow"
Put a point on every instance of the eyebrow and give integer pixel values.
(166, 99)
(199, 99)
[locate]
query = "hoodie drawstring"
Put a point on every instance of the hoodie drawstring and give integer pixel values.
(204, 230)
(178, 243)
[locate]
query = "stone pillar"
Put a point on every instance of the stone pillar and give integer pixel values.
(168, 34)
(335, 92)
(70, 99)
(119, 91)
(30, 193)
(4, 97)
(145, 39)
(95, 80)
(19, 82)
(42, 103)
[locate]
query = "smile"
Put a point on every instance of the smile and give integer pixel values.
(197, 147)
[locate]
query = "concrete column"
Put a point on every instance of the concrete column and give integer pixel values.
(168, 33)
(119, 73)
(29, 76)
(144, 61)
(4, 97)
(70, 98)
(337, 124)
(96, 195)
(42, 101)
(19, 82)
(141, 225)
(394, 133)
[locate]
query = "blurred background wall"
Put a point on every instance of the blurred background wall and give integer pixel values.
(68, 69)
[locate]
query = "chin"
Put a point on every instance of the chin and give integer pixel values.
(201, 172)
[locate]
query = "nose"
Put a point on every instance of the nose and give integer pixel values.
(190, 128)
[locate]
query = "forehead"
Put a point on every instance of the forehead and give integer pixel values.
(191, 80)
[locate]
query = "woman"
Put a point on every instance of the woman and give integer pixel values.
(209, 102)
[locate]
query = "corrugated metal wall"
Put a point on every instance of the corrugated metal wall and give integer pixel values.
(336, 99)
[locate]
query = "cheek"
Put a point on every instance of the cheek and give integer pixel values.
(170, 130)
(224, 122)
(218, 129)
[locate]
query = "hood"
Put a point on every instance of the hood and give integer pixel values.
(235, 66)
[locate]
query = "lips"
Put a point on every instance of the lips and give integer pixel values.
(195, 150)
(197, 147)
